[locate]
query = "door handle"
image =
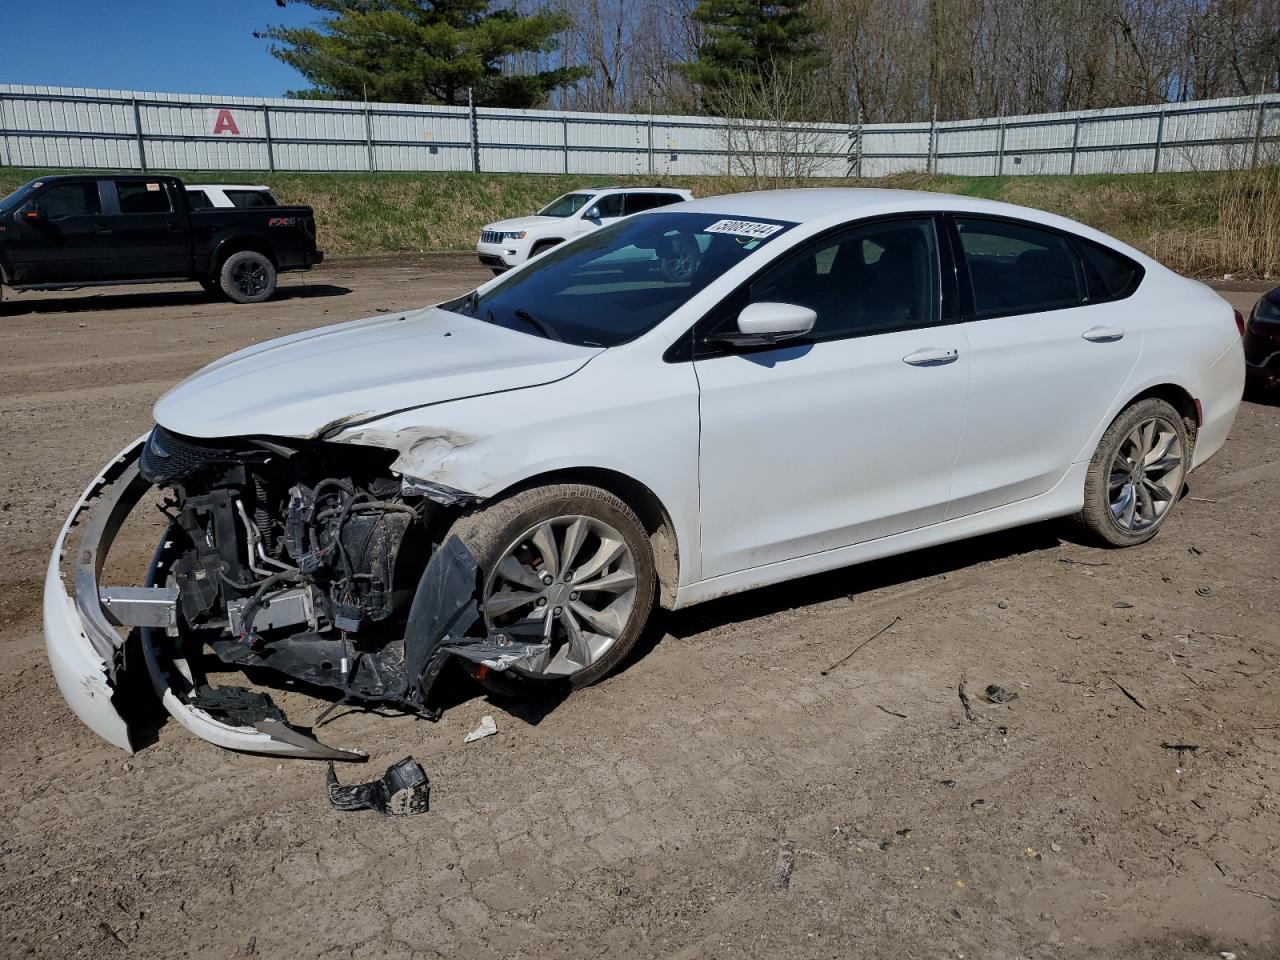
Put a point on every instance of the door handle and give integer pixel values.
(104, 228)
(931, 357)
(1103, 334)
(174, 227)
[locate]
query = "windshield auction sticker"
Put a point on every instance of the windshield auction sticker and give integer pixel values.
(744, 228)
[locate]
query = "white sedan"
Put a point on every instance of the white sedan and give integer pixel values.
(692, 402)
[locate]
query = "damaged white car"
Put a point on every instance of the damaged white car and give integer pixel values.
(694, 401)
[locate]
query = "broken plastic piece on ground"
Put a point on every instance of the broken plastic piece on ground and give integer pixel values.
(487, 728)
(402, 791)
(998, 694)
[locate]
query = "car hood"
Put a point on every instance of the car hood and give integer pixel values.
(524, 223)
(311, 383)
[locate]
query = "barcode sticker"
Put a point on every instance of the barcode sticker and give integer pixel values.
(744, 228)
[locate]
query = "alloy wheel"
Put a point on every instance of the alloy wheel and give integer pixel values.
(1146, 474)
(570, 581)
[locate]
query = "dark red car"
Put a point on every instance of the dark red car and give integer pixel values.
(1262, 342)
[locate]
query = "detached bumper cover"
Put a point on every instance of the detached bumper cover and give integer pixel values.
(84, 646)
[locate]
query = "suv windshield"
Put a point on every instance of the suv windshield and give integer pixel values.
(566, 206)
(620, 281)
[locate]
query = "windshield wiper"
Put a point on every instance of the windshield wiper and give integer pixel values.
(540, 325)
(472, 302)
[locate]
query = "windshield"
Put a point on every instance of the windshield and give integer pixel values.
(620, 281)
(19, 195)
(566, 206)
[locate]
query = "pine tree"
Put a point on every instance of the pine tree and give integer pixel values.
(422, 51)
(748, 40)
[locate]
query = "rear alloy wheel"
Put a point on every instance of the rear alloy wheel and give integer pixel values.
(248, 277)
(1136, 475)
(569, 563)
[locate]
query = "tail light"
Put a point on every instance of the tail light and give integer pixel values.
(1239, 321)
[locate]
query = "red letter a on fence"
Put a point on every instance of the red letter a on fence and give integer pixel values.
(225, 124)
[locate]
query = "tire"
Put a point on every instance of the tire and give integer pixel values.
(247, 277)
(542, 246)
(503, 530)
(1126, 499)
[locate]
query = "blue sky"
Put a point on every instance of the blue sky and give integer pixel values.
(183, 46)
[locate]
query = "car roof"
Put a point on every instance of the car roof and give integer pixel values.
(226, 186)
(823, 206)
(632, 190)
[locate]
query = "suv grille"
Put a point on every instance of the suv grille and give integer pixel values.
(490, 236)
(168, 457)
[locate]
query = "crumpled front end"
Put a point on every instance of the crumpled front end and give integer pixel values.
(309, 560)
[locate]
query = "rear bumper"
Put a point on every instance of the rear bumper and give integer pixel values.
(1219, 393)
(313, 258)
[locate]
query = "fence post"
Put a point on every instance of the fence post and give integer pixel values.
(266, 127)
(137, 127)
(368, 135)
(857, 145)
(931, 163)
(650, 134)
(1155, 163)
(5, 158)
(1075, 145)
(475, 133)
(1257, 133)
(1000, 152)
(565, 131)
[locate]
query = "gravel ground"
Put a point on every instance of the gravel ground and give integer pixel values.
(650, 816)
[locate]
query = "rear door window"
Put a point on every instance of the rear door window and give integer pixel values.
(609, 206)
(250, 198)
(637, 202)
(142, 196)
(1018, 268)
(70, 200)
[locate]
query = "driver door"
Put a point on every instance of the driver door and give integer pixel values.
(849, 433)
(601, 212)
(69, 241)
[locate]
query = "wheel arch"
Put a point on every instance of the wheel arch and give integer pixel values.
(1181, 400)
(648, 507)
(239, 243)
(544, 243)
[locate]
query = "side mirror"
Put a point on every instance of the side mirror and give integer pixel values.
(761, 324)
(32, 213)
(593, 213)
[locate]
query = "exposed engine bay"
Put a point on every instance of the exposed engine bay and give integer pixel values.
(306, 558)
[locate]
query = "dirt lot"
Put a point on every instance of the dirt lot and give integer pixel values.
(644, 817)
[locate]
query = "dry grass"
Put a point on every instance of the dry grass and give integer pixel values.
(1201, 224)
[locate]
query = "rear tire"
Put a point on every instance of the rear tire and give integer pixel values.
(1136, 475)
(247, 277)
(502, 536)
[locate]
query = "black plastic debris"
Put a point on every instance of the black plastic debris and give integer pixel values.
(400, 792)
(998, 694)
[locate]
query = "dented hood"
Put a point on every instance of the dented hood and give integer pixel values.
(305, 384)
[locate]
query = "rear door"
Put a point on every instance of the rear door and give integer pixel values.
(1047, 360)
(69, 240)
(150, 229)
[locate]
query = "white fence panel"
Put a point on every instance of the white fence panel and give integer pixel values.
(77, 127)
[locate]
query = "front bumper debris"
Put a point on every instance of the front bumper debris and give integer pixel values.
(400, 792)
(85, 642)
(86, 651)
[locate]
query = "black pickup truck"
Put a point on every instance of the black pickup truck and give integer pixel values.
(94, 229)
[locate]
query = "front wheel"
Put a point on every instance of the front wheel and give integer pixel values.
(248, 277)
(568, 562)
(1135, 477)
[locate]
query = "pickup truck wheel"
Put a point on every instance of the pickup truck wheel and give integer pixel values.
(248, 277)
(570, 562)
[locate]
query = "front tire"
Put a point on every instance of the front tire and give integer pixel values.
(1136, 475)
(566, 561)
(248, 277)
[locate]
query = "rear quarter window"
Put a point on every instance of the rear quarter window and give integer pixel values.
(251, 198)
(198, 199)
(1112, 275)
